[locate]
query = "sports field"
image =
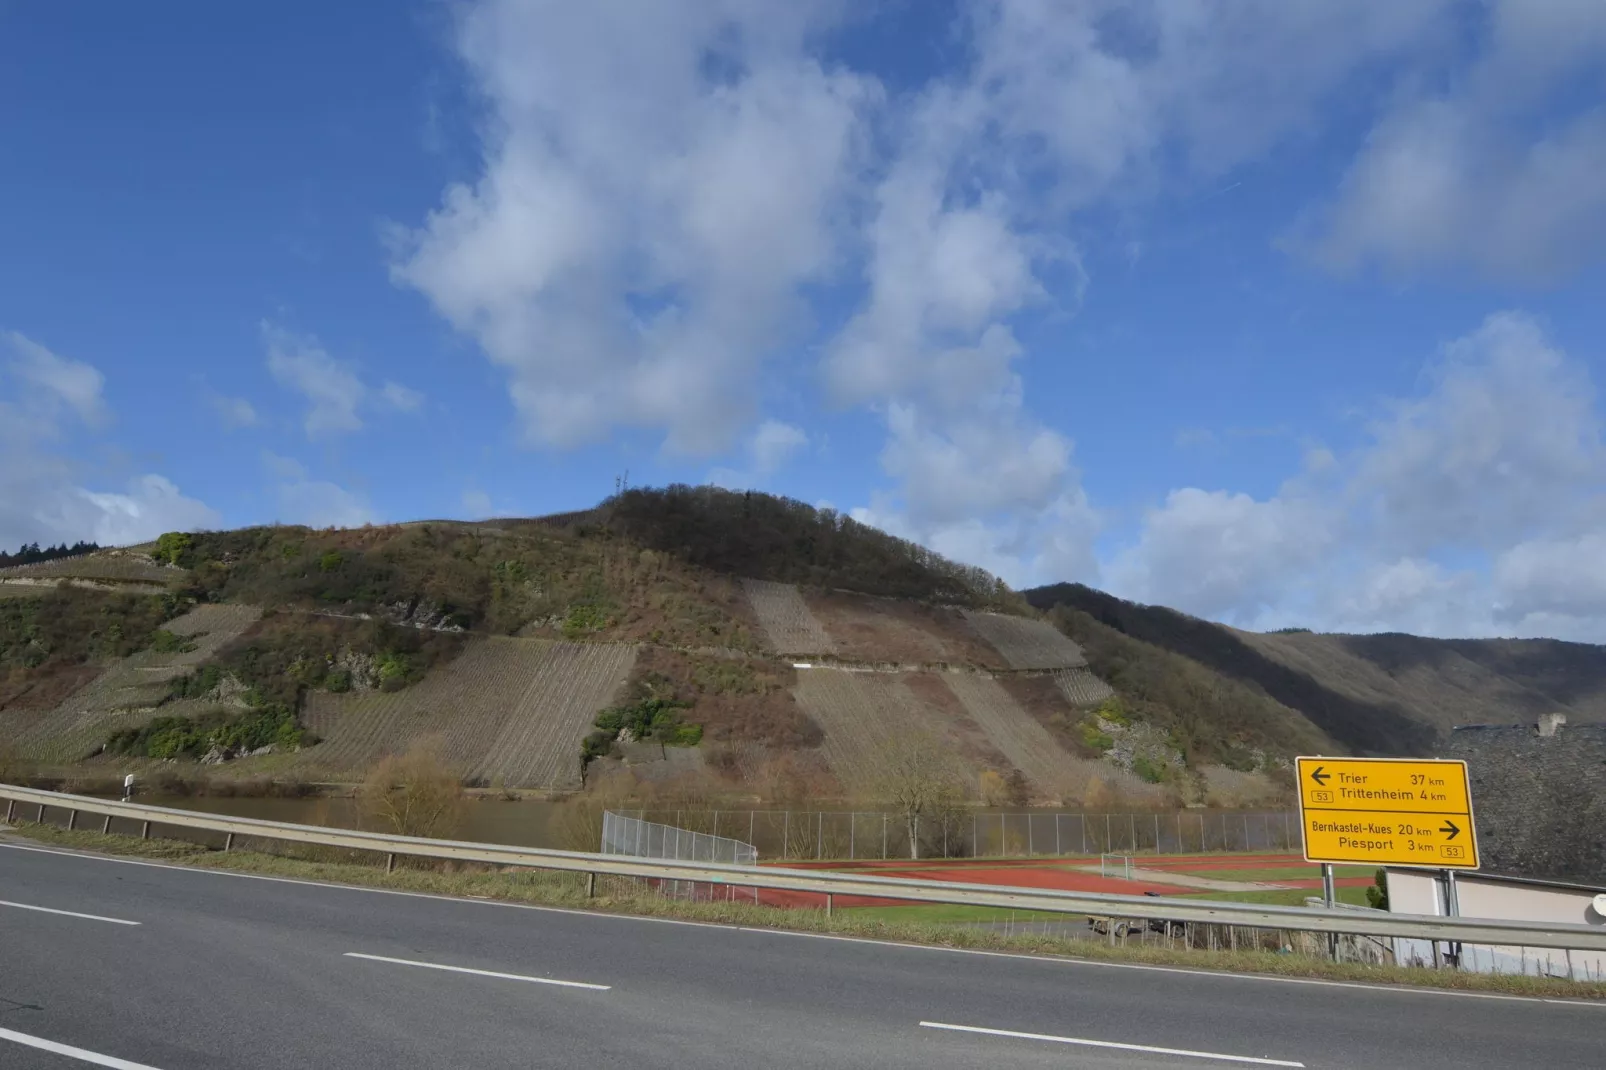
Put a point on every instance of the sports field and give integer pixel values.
(1262, 877)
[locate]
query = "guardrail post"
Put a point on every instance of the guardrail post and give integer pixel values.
(106, 826)
(390, 862)
(11, 810)
(828, 901)
(72, 820)
(145, 830)
(591, 885)
(228, 842)
(41, 819)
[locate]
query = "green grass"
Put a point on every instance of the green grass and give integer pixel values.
(619, 896)
(1284, 873)
(951, 914)
(1288, 897)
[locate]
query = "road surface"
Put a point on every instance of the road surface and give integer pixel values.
(130, 964)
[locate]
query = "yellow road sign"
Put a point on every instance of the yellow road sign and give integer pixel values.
(1387, 811)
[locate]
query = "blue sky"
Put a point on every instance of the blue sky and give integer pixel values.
(1280, 314)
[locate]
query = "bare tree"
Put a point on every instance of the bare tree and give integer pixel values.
(415, 794)
(919, 777)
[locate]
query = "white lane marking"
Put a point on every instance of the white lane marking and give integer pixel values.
(480, 973)
(1215, 975)
(1081, 1042)
(81, 1054)
(65, 913)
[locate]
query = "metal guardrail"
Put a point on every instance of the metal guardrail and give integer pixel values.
(1292, 919)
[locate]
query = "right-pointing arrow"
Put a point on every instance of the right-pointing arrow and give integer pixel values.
(1449, 827)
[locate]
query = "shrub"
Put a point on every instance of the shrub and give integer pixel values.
(1377, 893)
(193, 737)
(1094, 738)
(167, 642)
(414, 794)
(1151, 772)
(173, 547)
(651, 720)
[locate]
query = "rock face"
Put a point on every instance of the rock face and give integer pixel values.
(1539, 799)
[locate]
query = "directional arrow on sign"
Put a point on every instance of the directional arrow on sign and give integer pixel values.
(1450, 827)
(1319, 776)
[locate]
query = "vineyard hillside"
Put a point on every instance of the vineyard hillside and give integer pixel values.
(676, 639)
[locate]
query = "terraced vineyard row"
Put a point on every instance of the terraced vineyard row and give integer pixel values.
(786, 620)
(1027, 643)
(510, 708)
(862, 714)
(113, 567)
(1021, 739)
(126, 693)
(1082, 688)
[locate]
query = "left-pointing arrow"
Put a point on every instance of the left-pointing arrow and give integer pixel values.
(1449, 827)
(1319, 776)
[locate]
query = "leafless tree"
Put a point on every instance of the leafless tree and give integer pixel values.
(920, 778)
(414, 794)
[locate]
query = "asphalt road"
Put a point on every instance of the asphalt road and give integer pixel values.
(226, 971)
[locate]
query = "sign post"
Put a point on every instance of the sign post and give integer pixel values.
(1387, 812)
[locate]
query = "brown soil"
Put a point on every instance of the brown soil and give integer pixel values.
(886, 630)
(735, 699)
(967, 737)
(46, 692)
(1041, 697)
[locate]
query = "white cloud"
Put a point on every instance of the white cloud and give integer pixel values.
(401, 398)
(477, 504)
(235, 413)
(1499, 172)
(333, 390)
(1478, 507)
(658, 183)
(775, 443)
(42, 494)
(1223, 555)
(152, 505)
(321, 504)
(1504, 443)
(57, 381)
(300, 499)
(770, 447)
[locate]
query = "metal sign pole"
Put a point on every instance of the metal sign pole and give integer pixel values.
(1328, 894)
(1452, 908)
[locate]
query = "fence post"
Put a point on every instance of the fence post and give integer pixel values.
(750, 817)
(1057, 850)
(853, 834)
(1030, 849)
(1081, 825)
(819, 835)
(883, 836)
(1131, 832)
(1156, 833)
(786, 834)
(1109, 844)
(975, 842)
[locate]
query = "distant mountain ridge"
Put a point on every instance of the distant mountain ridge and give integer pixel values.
(1373, 694)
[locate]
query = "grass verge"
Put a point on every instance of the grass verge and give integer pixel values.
(1281, 897)
(622, 897)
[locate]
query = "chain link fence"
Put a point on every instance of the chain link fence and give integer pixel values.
(848, 835)
(638, 838)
